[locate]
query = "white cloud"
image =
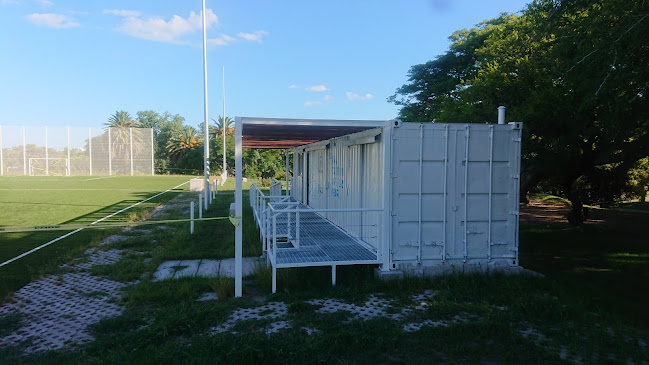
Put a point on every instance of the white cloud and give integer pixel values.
(122, 12)
(45, 2)
(312, 103)
(353, 96)
(222, 40)
(317, 88)
(293, 86)
(170, 31)
(255, 36)
(51, 20)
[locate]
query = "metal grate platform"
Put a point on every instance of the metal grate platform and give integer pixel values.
(321, 243)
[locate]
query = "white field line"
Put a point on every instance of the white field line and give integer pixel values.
(95, 222)
(54, 189)
(99, 178)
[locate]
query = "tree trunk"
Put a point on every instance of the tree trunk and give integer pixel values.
(578, 214)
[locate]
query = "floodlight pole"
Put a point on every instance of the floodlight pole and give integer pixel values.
(225, 173)
(206, 134)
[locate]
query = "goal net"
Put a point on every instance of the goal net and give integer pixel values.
(39, 166)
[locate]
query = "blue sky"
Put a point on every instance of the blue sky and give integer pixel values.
(77, 62)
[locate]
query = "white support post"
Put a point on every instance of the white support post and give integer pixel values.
(191, 217)
(24, 153)
(200, 206)
(384, 252)
(2, 170)
(238, 231)
(130, 136)
(90, 150)
(47, 161)
(286, 153)
(206, 198)
(152, 154)
(333, 275)
(110, 158)
(68, 172)
(297, 227)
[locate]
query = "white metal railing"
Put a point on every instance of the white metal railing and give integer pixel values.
(291, 234)
(275, 188)
(267, 209)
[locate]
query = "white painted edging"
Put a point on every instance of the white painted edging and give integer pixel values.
(79, 229)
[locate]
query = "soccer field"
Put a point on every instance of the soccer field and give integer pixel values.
(31, 201)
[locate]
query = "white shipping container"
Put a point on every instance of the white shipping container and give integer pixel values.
(449, 192)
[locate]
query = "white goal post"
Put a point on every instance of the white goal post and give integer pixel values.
(41, 166)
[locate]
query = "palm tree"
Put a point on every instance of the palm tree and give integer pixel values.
(218, 130)
(186, 139)
(120, 124)
(121, 119)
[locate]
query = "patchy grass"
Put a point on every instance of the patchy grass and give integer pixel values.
(550, 198)
(9, 323)
(634, 205)
(589, 308)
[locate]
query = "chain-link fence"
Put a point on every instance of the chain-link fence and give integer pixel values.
(48, 151)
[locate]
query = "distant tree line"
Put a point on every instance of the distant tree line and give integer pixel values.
(179, 148)
(575, 72)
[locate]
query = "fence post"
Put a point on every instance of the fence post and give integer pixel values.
(205, 192)
(90, 150)
(200, 206)
(2, 170)
(69, 165)
(130, 136)
(191, 217)
(47, 161)
(24, 154)
(110, 158)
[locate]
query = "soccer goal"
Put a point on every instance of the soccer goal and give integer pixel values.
(40, 166)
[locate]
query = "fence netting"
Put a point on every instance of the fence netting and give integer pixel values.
(66, 151)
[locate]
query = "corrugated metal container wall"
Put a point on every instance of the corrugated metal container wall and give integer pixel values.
(346, 173)
(455, 194)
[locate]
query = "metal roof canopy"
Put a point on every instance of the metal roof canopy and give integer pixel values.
(287, 133)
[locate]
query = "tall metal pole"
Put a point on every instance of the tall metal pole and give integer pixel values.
(206, 135)
(152, 154)
(225, 171)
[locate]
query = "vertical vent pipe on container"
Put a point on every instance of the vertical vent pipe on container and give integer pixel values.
(501, 114)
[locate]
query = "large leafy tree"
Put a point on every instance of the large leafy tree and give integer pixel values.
(574, 71)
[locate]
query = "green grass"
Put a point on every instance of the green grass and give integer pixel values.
(57, 200)
(552, 198)
(634, 205)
